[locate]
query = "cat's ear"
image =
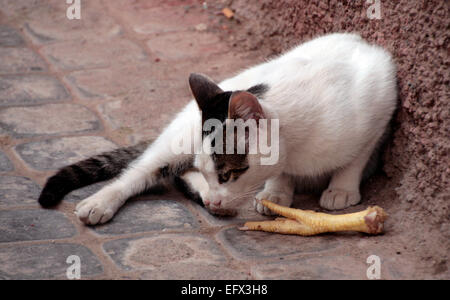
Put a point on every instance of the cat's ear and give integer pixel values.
(203, 89)
(244, 105)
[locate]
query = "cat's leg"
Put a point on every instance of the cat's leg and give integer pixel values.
(279, 189)
(158, 162)
(143, 174)
(343, 189)
(194, 186)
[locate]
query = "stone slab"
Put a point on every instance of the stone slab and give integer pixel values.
(20, 60)
(252, 245)
(142, 215)
(49, 119)
(30, 89)
(34, 224)
(9, 37)
(55, 153)
(172, 256)
(46, 261)
(17, 190)
(5, 164)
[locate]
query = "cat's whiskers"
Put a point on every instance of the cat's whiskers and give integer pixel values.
(252, 191)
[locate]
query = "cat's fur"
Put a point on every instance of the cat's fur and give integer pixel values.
(333, 97)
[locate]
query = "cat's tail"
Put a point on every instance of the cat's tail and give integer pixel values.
(98, 168)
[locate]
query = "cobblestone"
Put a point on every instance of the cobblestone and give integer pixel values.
(56, 153)
(70, 56)
(46, 261)
(149, 18)
(172, 256)
(17, 190)
(46, 22)
(5, 164)
(153, 215)
(30, 89)
(33, 224)
(9, 37)
(20, 60)
(29, 121)
(246, 245)
(80, 194)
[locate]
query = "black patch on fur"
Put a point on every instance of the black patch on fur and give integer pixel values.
(86, 172)
(164, 171)
(217, 109)
(259, 90)
(225, 163)
(175, 170)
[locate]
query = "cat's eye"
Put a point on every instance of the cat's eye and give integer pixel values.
(225, 177)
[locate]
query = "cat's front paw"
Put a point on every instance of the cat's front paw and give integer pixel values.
(333, 198)
(277, 198)
(95, 210)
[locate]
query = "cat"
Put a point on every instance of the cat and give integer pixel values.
(332, 98)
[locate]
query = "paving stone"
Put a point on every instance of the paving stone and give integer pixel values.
(55, 153)
(45, 261)
(157, 17)
(252, 245)
(19, 60)
(134, 114)
(126, 80)
(76, 55)
(194, 271)
(16, 190)
(5, 164)
(9, 37)
(185, 45)
(30, 89)
(320, 267)
(46, 22)
(146, 215)
(172, 256)
(49, 119)
(15, 8)
(35, 224)
(81, 194)
(218, 66)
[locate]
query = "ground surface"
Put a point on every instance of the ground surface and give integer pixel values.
(72, 88)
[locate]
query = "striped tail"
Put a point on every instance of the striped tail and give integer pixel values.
(98, 168)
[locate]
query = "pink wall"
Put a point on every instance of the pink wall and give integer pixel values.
(417, 33)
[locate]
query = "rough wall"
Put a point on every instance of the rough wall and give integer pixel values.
(417, 159)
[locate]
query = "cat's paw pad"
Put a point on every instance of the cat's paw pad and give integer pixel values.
(94, 210)
(277, 198)
(332, 198)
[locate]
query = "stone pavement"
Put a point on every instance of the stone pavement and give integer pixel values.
(73, 88)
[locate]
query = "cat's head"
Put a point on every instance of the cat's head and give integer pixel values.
(235, 126)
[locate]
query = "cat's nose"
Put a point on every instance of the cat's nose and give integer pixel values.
(217, 203)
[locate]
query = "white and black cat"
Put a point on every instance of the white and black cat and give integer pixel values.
(332, 97)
